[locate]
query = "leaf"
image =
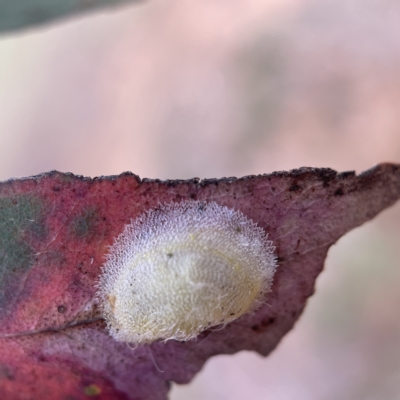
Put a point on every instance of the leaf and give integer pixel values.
(56, 229)
(17, 14)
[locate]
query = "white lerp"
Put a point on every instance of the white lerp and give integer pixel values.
(182, 268)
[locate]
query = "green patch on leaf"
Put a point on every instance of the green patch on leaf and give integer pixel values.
(21, 221)
(85, 224)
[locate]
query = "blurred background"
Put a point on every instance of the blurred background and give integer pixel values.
(202, 88)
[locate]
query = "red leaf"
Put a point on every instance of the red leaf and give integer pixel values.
(56, 229)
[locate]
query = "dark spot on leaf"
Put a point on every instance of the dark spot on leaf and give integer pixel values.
(339, 192)
(255, 328)
(264, 324)
(294, 188)
(270, 321)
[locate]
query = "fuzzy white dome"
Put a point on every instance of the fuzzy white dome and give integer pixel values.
(182, 268)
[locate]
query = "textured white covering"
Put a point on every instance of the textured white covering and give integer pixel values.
(182, 268)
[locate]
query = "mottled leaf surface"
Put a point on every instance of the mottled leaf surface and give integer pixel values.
(55, 232)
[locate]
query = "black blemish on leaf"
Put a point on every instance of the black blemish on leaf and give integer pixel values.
(339, 192)
(268, 322)
(294, 188)
(61, 309)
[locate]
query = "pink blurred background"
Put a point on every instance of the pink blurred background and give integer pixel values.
(229, 88)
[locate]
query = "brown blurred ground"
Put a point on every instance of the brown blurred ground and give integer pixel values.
(222, 88)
